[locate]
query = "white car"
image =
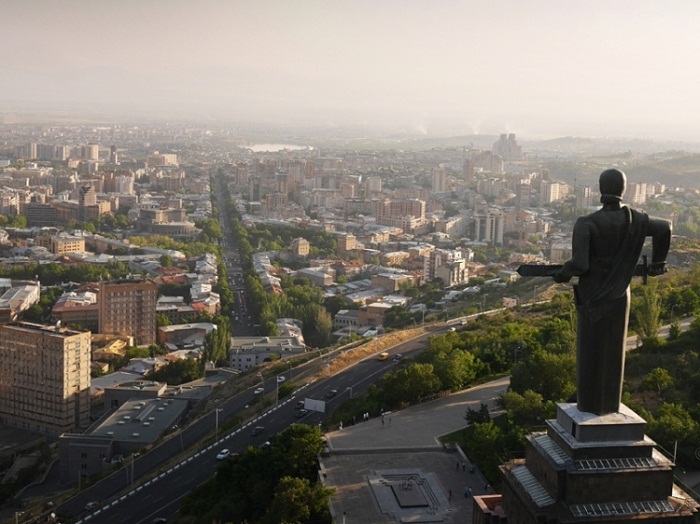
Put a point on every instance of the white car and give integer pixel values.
(223, 454)
(281, 379)
(258, 391)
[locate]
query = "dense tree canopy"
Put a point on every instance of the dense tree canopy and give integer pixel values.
(275, 483)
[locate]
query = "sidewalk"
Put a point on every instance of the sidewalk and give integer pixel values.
(371, 461)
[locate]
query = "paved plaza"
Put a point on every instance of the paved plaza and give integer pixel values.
(395, 469)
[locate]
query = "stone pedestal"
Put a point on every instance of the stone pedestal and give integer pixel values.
(600, 468)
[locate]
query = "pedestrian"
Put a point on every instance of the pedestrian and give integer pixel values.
(486, 487)
(457, 466)
(466, 492)
(470, 490)
(464, 466)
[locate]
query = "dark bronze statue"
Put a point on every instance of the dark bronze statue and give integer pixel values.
(606, 246)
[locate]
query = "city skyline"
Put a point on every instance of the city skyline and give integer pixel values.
(540, 69)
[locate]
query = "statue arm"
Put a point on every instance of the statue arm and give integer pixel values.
(580, 245)
(660, 232)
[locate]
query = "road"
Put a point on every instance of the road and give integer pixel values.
(145, 489)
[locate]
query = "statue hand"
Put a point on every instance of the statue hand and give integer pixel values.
(656, 269)
(559, 277)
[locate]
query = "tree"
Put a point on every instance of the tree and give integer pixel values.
(528, 409)
(657, 380)
(647, 313)
(275, 483)
(674, 330)
(481, 416)
(335, 303)
(456, 369)
(550, 375)
(166, 261)
(673, 423)
(178, 372)
(410, 384)
(296, 500)
(324, 326)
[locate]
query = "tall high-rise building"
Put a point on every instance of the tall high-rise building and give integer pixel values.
(522, 194)
(585, 197)
(86, 198)
(636, 193)
(128, 307)
(550, 192)
(508, 148)
(44, 377)
(439, 180)
(28, 151)
(113, 156)
(489, 226)
(282, 184)
(91, 152)
(468, 170)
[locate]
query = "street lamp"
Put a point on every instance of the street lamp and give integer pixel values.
(179, 430)
(133, 457)
(216, 430)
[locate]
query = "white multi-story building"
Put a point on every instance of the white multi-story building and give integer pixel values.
(636, 193)
(550, 192)
(489, 226)
(446, 264)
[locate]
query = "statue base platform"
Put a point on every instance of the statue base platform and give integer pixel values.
(588, 466)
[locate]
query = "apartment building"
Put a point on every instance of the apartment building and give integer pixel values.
(300, 247)
(45, 377)
(128, 307)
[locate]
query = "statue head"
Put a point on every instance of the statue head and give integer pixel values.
(612, 185)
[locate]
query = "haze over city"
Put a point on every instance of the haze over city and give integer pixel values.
(540, 68)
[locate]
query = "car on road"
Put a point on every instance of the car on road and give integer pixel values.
(91, 505)
(159, 520)
(281, 379)
(452, 329)
(397, 357)
(299, 404)
(258, 391)
(223, 454)
(332, 393)
(257, 430)
(302, 412)
(383, 355)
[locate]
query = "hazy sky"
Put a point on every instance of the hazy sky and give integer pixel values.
(539, 68)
